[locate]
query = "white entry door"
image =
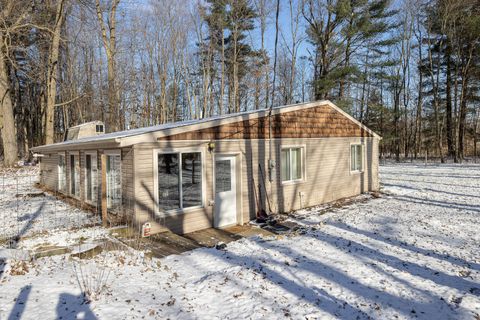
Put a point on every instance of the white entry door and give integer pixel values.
(225, 192)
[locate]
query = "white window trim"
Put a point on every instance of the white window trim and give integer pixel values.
(178, 211)
(95, 178)
(113, 152)
(303, 151)
(350, 158)
(76, 154)
(62, 154)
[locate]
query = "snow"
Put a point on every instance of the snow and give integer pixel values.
(26, 211)
(412, 253)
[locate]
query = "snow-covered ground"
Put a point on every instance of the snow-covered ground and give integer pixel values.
(26, 211)
(414, 253)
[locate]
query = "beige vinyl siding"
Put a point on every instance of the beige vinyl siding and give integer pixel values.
(190, 221)
(128, 193)
(49, 171)
(327, 177)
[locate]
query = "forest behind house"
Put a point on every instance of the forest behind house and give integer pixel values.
(409, 70)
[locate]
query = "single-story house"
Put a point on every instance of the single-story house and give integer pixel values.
(218, 171)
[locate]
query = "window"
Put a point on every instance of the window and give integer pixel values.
(99, 128)
(223, 176)
(74, 176)
(356, 157)
(291, 164)
(62, 178)
(114, 181)
(91, 177)
(179, 177)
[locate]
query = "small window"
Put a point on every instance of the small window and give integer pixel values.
(356, 157)
(223, 177)
(291, 164)
(179, 182)
(99, 128)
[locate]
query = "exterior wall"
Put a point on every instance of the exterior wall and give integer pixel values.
(145, 195)
(327, 177)
(49, 171)
(49, 177)
(128, 178)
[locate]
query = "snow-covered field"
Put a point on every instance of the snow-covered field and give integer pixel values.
(413, 253)
(25, 211)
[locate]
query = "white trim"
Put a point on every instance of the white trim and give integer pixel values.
(112, 152)
(303, 154)
(362, 156)
(238, 180)
(179, 151)
(361, 125)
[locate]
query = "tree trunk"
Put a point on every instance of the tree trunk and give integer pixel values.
(9, 136)
(461, 121)
(53, 73)
(448, 110)
(109, 44)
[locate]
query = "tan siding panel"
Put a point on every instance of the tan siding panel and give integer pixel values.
(328, 177)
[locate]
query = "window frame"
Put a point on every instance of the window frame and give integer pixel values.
(303, 162)
(179, 151)
(113, 152)
(362, 149)
(76, 155)
(65, 187)
(94, 176)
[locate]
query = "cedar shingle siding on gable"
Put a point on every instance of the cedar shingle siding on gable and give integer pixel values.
(318, 122)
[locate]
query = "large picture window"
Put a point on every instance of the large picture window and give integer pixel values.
(291, 164)
(179, 178)
(62, 178)
(356, 157)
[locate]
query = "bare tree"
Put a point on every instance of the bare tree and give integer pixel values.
(108, 31)
(52, 73)
(13, 18)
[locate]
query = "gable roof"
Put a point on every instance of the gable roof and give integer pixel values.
(129, 137)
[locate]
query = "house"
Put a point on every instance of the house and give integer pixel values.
(218, 171)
